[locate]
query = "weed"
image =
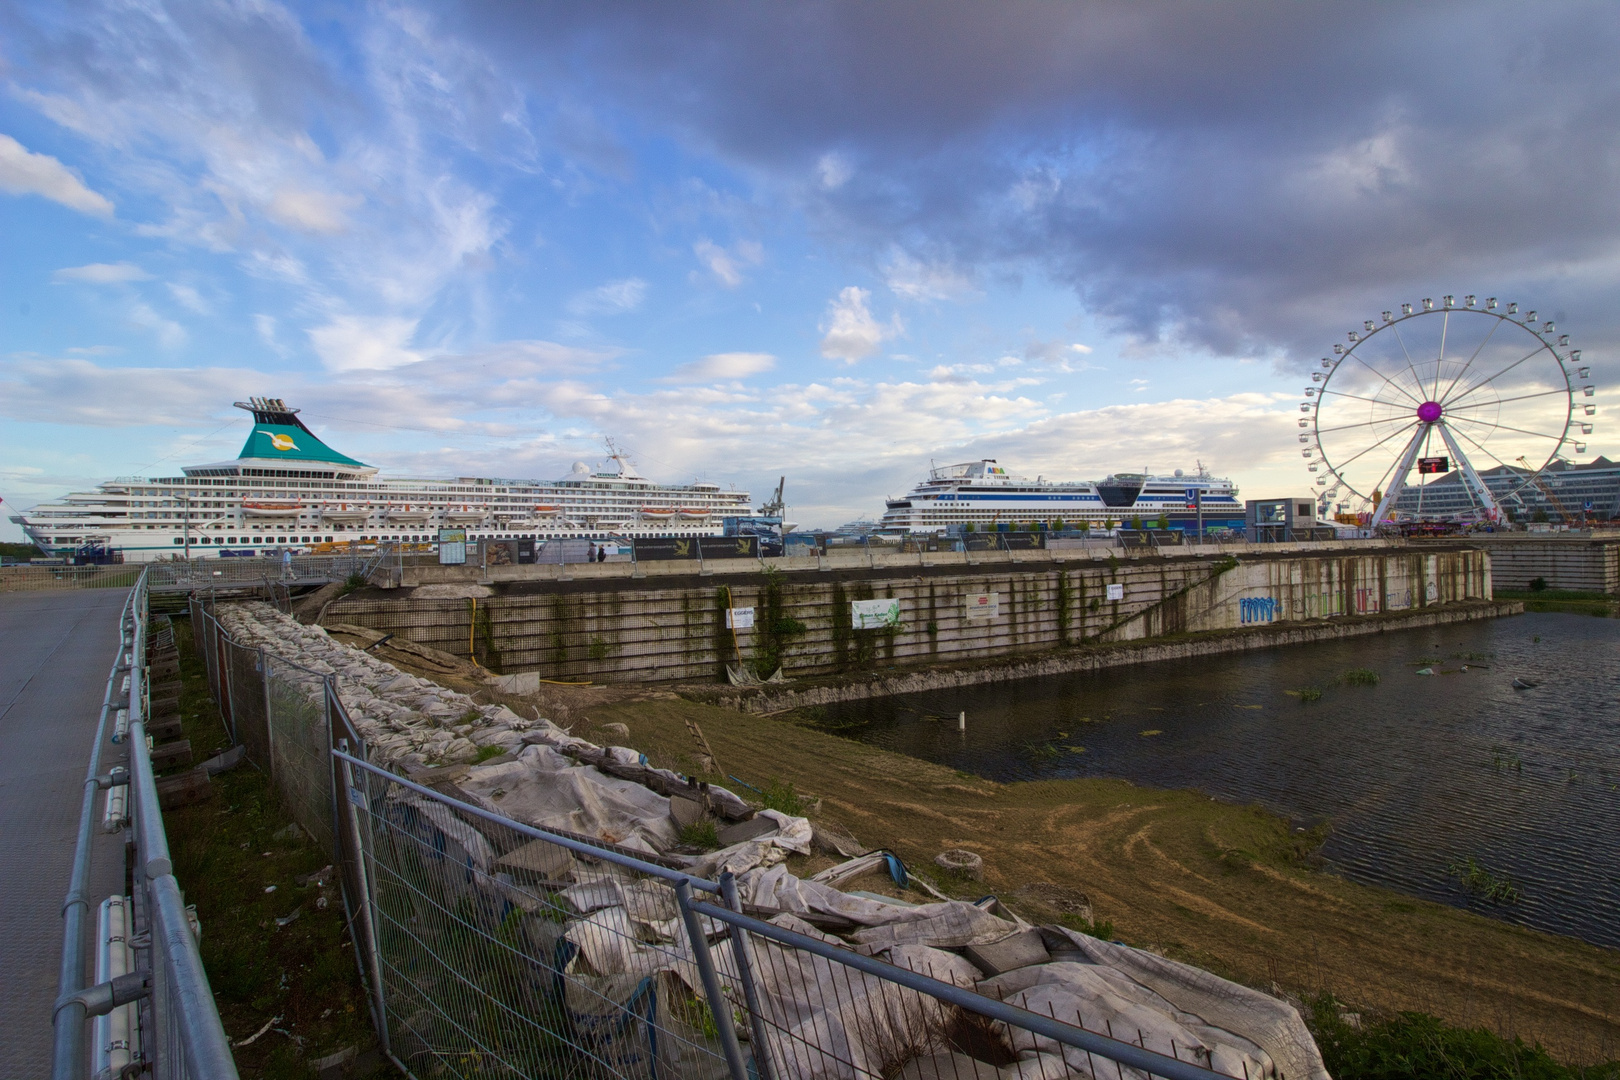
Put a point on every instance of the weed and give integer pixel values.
(1361, 677)
(1041, 751)
(782, 798)
(351, 583)
(1102, 928)
(1150, 732)
(1538, 584)
(1311, 693)
(1504, 759)
(1480, 882)
(599, 649)
(487, 752)
(701, 834)
(1413, 1044)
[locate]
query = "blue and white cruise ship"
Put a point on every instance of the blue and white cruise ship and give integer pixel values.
(985, 495)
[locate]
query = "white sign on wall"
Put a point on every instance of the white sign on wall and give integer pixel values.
(740, 618)
(984, 605)
(1116, 592)
(874, 614)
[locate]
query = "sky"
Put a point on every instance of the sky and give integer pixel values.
(830, 241)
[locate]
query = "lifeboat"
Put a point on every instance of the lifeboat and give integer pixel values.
(272, 509)
(546, 511)
(465, 516)
(345, 513)
(409, 515)
(657, 513)
(695, 515)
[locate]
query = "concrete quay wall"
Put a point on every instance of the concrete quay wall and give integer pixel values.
(770, 699)
(673, 629)
(1587, 562)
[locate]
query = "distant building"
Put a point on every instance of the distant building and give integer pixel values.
(1575, 486)
(1273, 521)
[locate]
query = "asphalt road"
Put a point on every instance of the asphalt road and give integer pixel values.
(55, 651)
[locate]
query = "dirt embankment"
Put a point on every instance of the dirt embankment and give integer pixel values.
(1229, 888)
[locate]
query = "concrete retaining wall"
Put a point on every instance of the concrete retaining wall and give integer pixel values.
(674, 629)
(1589, 564)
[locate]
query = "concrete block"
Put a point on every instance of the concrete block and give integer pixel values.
(169, 754)
(685, 812)
(1018, 951)
(184, 789)
(539, 857)
(168, 728)
(752, 829)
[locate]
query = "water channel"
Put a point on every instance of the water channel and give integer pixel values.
(1416, 773)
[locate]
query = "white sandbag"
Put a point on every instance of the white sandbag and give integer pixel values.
(1261, 1019)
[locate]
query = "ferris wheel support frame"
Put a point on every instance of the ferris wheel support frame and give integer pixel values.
(1403, 467)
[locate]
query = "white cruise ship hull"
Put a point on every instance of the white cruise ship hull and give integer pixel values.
(984, 496)
(288, 490)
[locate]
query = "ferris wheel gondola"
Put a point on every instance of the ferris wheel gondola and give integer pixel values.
(1448, 390)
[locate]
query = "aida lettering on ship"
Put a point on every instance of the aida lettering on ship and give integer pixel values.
(288, 490)
(982, 493)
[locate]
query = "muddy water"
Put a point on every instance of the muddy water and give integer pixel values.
(1415, 773)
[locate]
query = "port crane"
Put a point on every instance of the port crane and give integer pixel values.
(1546, 492)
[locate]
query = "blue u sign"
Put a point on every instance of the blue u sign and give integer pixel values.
(1252, 609)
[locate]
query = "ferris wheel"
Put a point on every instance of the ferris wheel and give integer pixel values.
(1454, 392)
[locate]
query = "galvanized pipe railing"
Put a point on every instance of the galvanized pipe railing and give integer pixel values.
(181, 1001)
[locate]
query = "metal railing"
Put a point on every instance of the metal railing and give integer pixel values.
(492, 947)
(31, 578)
(178, 1025)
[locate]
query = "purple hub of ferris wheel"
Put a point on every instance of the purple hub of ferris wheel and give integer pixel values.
(1429, 411)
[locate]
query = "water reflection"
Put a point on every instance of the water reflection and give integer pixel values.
(1416, 772)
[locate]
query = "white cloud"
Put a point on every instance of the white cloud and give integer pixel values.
(1083, 350)
(317, 212)
(102, 273)
(23, 172)
(613, 298)
(189, 298)
(169, 333)
(727, 265)
(723, 366)
(851, 332)
(834, 171)
(265, 326)
(365, 343)
(916, 280)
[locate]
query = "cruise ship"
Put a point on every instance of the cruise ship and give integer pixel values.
(289, 490)
(984, 495)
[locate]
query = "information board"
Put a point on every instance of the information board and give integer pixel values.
(985, 605)
(452, 547)
(874, 614)
(740, 618)
(1116, 592)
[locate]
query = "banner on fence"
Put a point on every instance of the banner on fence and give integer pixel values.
(874, 614)
(651, 548)
(1116, 592)
(740, 618)
(984, 605)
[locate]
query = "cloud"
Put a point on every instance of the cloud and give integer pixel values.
(723, 366)
(727, 265)
(317, 212)
(613, 298)
(365, 343)
(23, 172)
(833, 171)
(189, 298)
(917, 280)
(170, 334)
(102, 273)
(851, 333)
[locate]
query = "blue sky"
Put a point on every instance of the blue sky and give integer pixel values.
(829, 241)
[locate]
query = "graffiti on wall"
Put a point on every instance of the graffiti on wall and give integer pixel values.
(1255, 609)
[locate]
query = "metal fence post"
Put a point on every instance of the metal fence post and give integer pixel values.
(718, 1005)
(363, 902)
(269, 729)
(745, 975)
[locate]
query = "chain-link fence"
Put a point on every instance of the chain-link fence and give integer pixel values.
(491, 947)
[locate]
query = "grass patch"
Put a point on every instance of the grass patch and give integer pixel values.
(1102, 928)
(487, 752)
(1480, 882)
(228, 851)
(1415, 1044)
(1360, 677)
(1574, 601)
(701, 834)
(781, 797)
(1309, 693)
